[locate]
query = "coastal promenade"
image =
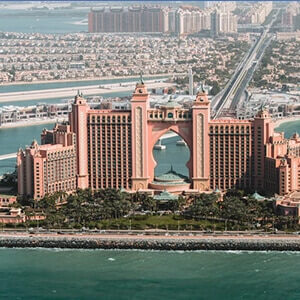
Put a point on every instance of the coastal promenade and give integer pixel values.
(151, 241)
(70, 92)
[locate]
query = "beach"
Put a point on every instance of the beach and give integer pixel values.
(32, 122)
(71, 92)
(278, 122)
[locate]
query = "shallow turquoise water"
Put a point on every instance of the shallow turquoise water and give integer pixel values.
(67, 84)
(61, 100)
(80, 274)
(173, 156)
(58, 21)
(11, 139)
(289, 128)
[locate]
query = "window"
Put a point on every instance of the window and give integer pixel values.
(170, 115)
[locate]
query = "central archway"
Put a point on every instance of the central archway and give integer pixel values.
(172, 153)
(150, 123)
(158, 129)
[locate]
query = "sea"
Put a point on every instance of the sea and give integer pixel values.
(54, 21)
(145, 275)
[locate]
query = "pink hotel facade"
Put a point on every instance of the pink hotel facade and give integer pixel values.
(101, 148)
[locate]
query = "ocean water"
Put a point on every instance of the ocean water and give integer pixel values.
(60, 100)
(173, 156)
(116, 275)
(56, 85)
(289, 128)
(58, 21)
(11, 139)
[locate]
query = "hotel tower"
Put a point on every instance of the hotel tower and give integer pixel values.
(105, 148)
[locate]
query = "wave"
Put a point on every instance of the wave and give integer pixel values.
(81, 23)
(234, 252)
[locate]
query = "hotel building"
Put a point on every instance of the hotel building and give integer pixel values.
(158, 19)
(50, 167)
(129, 19)
(107, 148)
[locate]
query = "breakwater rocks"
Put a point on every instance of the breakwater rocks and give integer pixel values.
(186, 244)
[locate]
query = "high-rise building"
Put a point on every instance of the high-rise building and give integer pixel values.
(258, 13)
(129, 19)
(182, 21)
(171, 20)
(215, 24)
(50, 167)
(189, 19)
(105, 148)
(291, 16)
(222, 22)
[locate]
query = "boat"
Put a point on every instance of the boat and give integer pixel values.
(181, 143)
(159, 146)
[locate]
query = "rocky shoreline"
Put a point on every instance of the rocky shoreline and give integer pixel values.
(163, 243)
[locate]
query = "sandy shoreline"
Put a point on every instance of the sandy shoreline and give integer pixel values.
(71, 92)
(31, 123)
(281, 121)
(88, 79)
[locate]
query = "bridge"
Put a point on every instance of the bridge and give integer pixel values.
(8, 156)
(228, 99)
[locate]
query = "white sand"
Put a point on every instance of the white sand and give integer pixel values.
(70, 92)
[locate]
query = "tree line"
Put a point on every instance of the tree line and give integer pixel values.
(86, 208)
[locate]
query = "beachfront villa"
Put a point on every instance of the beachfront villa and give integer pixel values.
(289, 205)
(103, 148)
(6, 200)
(14, 215)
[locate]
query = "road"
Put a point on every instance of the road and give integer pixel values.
(248, 75)
(149, 235)
(230, 97)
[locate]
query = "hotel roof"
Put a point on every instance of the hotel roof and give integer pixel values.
(170, 177)
(165, 196)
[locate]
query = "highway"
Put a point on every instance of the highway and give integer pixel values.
(8, 156)
(228, 100)
(248, 75)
